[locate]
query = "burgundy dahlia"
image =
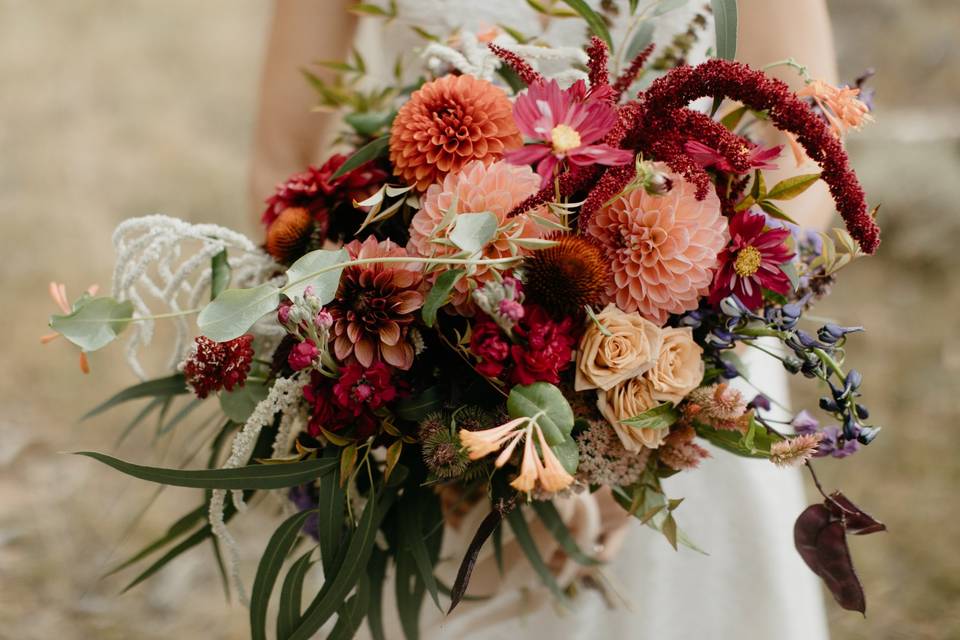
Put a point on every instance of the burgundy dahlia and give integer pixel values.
(212, 366)
(545, 349)
(752, 261)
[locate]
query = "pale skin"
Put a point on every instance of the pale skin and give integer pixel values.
(290, 136)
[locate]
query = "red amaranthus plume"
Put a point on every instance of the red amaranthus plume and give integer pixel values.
(722, 78)
(527, 73)
(631, 72)
(598, 76)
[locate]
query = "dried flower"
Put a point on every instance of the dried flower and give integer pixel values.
(212, 366)
(569, 125)
(680, 452)
(628, 400)
(433, 422)
(448, 123)
(662, 249)
(616, 347)
(752, 262)
(679, 366)
(604, 460)
(568, 276)
(719, 405)
(374, 306)
(289, 235)
(795, 451)
(444, 455)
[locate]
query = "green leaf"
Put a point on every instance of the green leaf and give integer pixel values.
(594, 21)
(754, 444)
(179, 416)
(149, 408)
(177, 529)
(332, 501)
(280, 544)
(758, 190)
(525, 540)
(439, 294)
(640, 40)
(472, 231)
(157, 388)
(236, 310)
(348, 459)
(409, 592)
(665, 6)
(377, 571)
(219, 274)
(357, 555)
(568, 453)
(543, 398)
(350, 616)
(240, 403)
(255, 476)
(369, 122)
(790, 270)
(412, 537)
(776, 212)
(660, 417)
(792, 187)
(418, 407)
(364, 154)
(725, 23)
(94, 322)
(291, 595)
(732, 119)
(300, 274)
(555, 525)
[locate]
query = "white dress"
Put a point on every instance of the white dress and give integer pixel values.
(751, 586)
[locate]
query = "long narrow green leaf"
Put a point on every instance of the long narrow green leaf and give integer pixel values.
(357, 555)
(177, 529)
(364, 154)
(411, 533)
(160, 387)
(594, 21)
(332, 501)
(149, 408)
(725, 23)
(255, 476)
(522, 534)
(555, 525)
(291, 595)
(268, 570)
(178, 416)
(377, 570)
(351, 614)
(410, 592)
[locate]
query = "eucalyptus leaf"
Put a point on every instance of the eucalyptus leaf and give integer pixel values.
(594, 21)
(330, 521)
(641, 39)
(291, 595)
(548, 403)
(300, 275)
(219, 274)
(236, 310)
(363, 155)
(568, 453)
(94, 322)
(472, 231)
(439, 294)
(666, 6)
(157, 388)
(522, 534)
(240, 403)
(255, 476)
(725, 23)
(558, 529)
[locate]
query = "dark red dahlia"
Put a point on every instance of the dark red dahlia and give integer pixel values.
(317, 191)
(545, 348)
(212, 366)
(752, 261)
(490, 345)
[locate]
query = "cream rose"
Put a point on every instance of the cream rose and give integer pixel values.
(628, 400)
(679, 367)
(604, 361)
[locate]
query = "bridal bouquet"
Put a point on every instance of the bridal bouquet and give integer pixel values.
(514, 287)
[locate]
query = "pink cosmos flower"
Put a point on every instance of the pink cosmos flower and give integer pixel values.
(751, 262)
(759, 157)
(569, 123)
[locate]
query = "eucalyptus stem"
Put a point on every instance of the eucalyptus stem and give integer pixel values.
(161, 316)
(793, 64)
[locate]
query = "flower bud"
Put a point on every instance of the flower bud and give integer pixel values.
(793, 364)
(867, 434)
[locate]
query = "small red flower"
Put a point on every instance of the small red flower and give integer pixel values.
(757, 157)
(545, 349)
(360, 389)
(751, 262)
(349, 402)
(218, 365)
(488, 343)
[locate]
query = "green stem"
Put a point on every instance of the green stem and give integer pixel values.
(830, 362)
(793, 64)
(161, 316)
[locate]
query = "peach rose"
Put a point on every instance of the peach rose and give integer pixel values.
(627, 400)
(603, 361)
(679, 367)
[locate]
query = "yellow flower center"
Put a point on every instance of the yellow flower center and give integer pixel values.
(748, 261)
(564, 138)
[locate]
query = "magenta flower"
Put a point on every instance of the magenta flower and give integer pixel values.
(568, 123)
(759, 157)
(751, 262)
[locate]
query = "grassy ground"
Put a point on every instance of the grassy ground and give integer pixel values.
(116, 109)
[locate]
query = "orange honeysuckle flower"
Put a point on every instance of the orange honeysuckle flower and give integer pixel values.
(58, 291)
(841, 106)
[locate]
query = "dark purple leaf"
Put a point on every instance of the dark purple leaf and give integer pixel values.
(837, 566)
(857, 522)
(805, 533)
(487, 527)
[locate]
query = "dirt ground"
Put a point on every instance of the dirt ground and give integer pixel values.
(110, 110)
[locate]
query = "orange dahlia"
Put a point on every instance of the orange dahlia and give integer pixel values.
(447, 123)
(662, 249)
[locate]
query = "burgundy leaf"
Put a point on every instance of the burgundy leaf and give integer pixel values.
(805, 533)
(487, 527)
(837, 567)
(857, 522)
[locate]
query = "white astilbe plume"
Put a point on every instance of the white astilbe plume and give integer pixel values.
(473, 57)
(163, 266)
(284, 398)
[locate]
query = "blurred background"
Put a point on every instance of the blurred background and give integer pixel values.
(115, 109)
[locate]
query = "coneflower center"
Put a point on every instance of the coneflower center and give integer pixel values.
(564, 138)
(747, 262)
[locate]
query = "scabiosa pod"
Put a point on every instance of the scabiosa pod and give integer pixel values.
(212, 366)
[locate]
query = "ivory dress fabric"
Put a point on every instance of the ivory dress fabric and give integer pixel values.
(751, 586)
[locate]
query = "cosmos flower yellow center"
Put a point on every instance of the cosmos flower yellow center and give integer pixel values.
(748, 261)
(564, 138)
